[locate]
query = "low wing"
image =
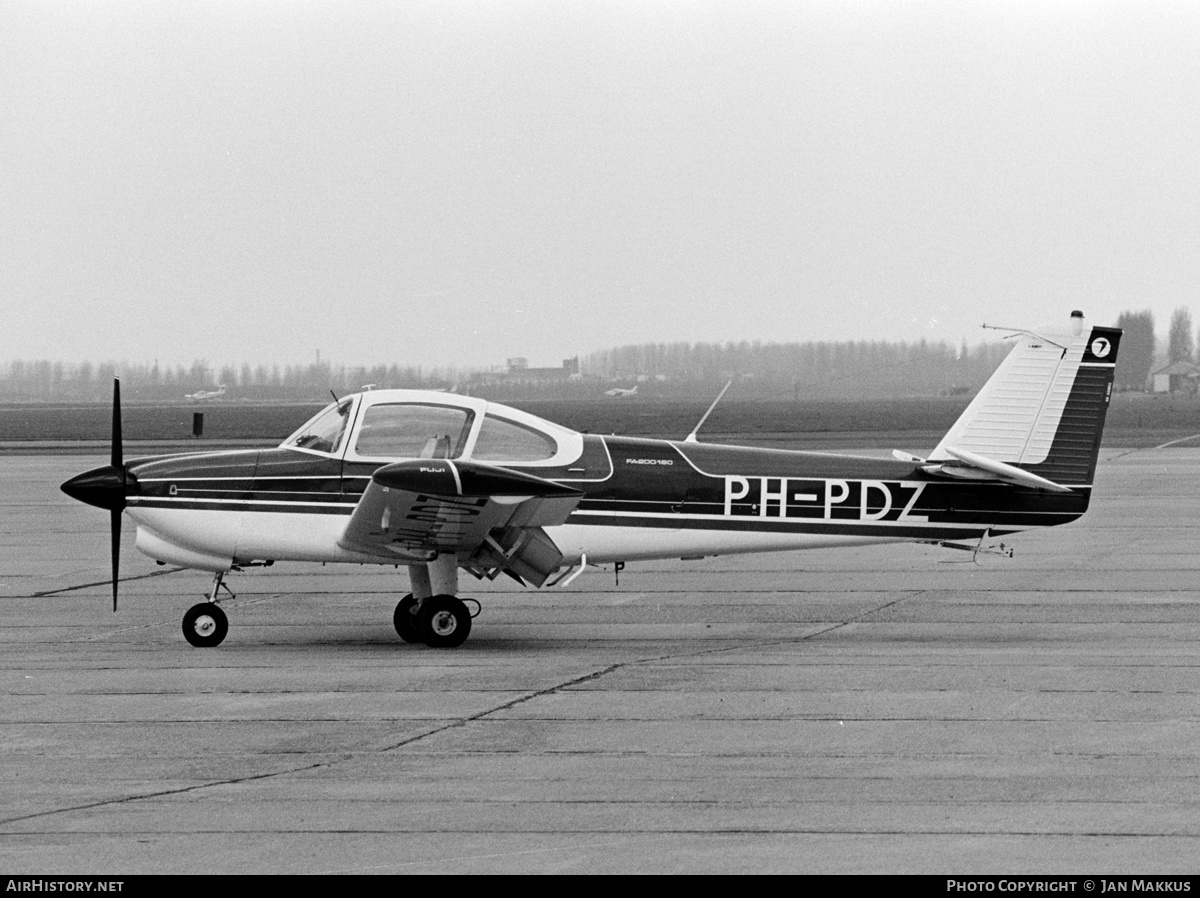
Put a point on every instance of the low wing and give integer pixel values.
(491, 518)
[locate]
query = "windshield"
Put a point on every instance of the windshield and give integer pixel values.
(324, 432)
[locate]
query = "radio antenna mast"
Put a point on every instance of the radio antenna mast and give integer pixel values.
(691, 437)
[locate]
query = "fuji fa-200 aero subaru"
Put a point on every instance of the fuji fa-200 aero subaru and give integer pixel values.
(442, 483)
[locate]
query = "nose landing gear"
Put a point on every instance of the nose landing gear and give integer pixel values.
(205, 625)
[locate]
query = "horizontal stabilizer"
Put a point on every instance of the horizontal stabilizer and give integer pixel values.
(972, 466)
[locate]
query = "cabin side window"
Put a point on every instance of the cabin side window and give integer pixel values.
(324, 432)
(413, 431)
(502, 440)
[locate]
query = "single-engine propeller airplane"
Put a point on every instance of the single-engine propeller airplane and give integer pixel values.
(441, 483)
(206, 395)
(621, 392)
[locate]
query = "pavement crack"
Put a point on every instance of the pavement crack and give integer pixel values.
(620, 665)
(162, 793)
(54, 592)
(1195, 436)
(512, 703)
(792, 640)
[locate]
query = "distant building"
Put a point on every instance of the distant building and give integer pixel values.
(1177, 377)
(517, 370)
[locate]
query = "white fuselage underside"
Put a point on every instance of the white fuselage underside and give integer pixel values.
(213, 539)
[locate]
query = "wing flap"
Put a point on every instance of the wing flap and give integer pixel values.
(543, 512)
(415, 510)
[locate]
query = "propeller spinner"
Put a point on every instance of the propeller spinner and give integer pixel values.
(105, 487)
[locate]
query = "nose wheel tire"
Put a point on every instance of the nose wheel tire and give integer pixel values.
(205, 625)
(405, 621)
(444, 622)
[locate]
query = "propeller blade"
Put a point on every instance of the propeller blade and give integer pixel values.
(118, 460)
(118, 463)
(115, 527)
(107, 487)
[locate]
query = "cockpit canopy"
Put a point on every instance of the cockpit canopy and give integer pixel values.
(386, 425)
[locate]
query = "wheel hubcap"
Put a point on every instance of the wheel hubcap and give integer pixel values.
(444, 623)
(205, 625)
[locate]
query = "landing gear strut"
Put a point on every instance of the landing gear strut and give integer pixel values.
(431, 613)
(205, 625)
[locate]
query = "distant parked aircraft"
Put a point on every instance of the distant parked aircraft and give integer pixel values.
(204, 395)
(619, 393)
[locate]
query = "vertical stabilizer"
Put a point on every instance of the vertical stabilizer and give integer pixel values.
(1043, 410)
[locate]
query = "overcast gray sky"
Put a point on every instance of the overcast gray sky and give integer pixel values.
(459, 182)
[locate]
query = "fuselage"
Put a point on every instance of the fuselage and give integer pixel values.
(642, 499)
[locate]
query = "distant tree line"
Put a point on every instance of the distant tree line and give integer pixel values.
(760, 370)
(834, 370)
(874, 369)
(814, 370)
(44, 381)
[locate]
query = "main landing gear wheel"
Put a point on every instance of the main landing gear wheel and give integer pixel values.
(406, 622)
(444, 622)
(205, 625)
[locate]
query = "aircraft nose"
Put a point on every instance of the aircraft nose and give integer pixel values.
(102, 487)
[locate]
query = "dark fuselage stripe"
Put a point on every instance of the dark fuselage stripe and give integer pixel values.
(236, 505)
(659, 522)
(798, 527)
